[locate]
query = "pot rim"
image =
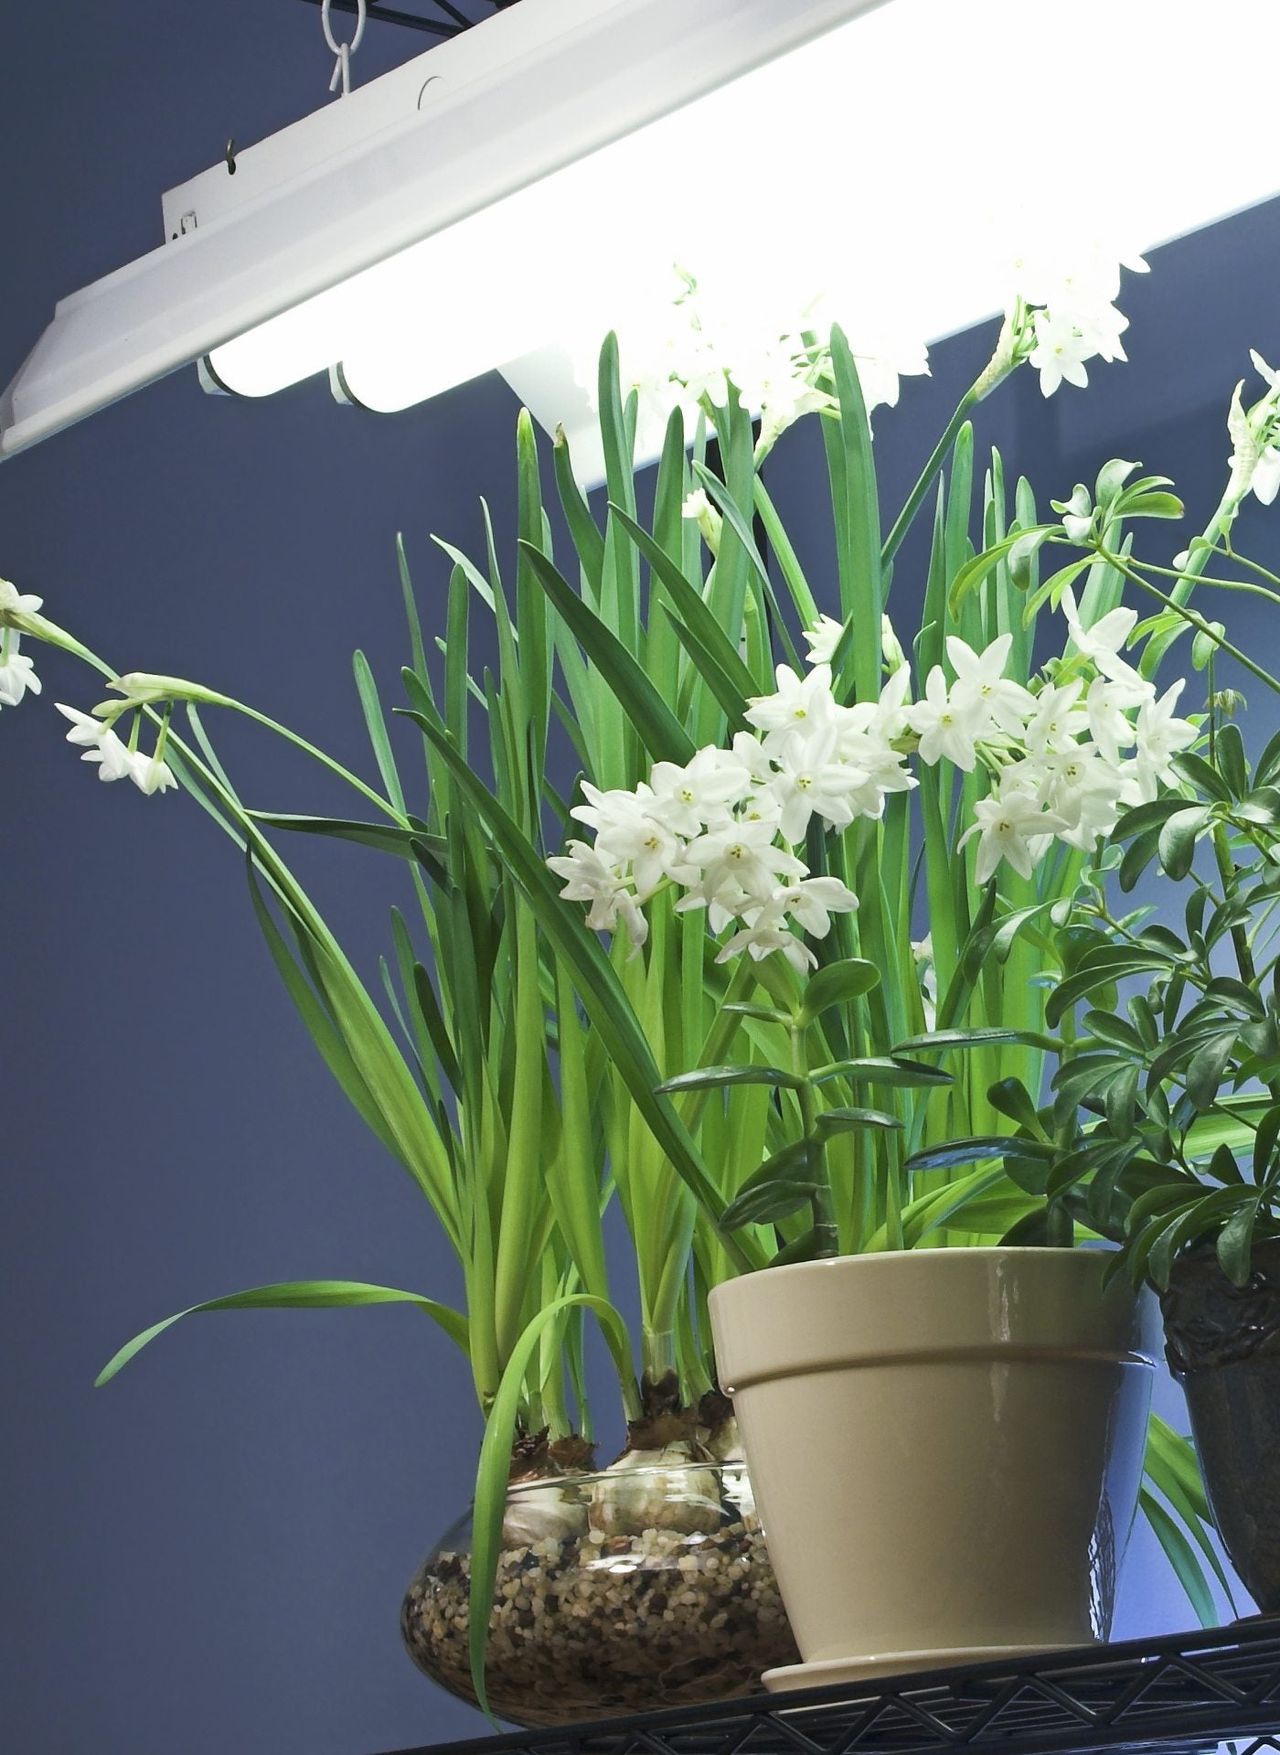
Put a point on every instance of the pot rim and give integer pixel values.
(966, 1250)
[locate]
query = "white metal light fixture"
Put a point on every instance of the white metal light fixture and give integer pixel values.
(509, 196)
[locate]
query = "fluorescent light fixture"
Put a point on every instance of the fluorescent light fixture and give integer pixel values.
(506, 198)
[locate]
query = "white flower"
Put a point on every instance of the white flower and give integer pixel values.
(749, 754)
(685, 799)
(100, 744)
(1060, 352)
(769, 933)
(589, 878)
(1264, 370)
(150, 774)
(628, 830)
(698, 508)
(1255, 452)
(800, 704)
(1077, 520)
(1057, 721)
(1085, 790)
(731, 869)
(17, 673)
(15, 602)
(1102, 643)
(980, 678)
(822, 639)
(1266, 477)
(922, 955)
(948, 729)
(85, 729)
(1109, 726)
(114, 756)
(1013, 827)
(810, 780)
(1160, 737)
(811, 901)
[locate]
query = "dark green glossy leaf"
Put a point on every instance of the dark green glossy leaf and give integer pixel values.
(711, 1078)
(838, 983)
(856, 1120)
(885, 1070)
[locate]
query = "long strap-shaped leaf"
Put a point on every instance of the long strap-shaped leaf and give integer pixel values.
(597, 982)
(660, 731)
(495, 1463)
(296, 1295)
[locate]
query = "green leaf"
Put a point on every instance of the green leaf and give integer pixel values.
(1207, 1068)
(1180, 1556)
(1012, 1098)
(882, 1070)
(946, 1040)
(711, 1078)
(1232, 762)
(837, 983)
(1178, 837)
(691, 608)
(1235, 1241)
(407, 843)
(495, 1464)
(659, 729)
(976, 1151)
(856, 1120)
(296, 1295)
(606, 1004)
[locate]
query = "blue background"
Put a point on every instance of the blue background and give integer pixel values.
(210, 1554)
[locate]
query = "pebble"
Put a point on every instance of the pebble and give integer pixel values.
(589, 1626)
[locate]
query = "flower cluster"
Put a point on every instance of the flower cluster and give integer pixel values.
(1068, 313)
(700, 345)
(1063, 755)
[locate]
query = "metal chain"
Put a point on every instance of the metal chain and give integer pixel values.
(343, 51)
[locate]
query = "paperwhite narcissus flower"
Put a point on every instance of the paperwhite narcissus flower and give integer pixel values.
(628, 831)
(810, 781)
(1160, 737)
(797, 704)
(823, 638)
(1255, 441)
(150, 774)
(980, 678)
(811, 901)
(1058, 720)
(742, 859)
(769, 933)
(17, 672)
(1077, 520)
(100, 744)
(1011, 826)
(1102, 644)
(1079, 786)
(948, 728)
(15, 602)
(685, 799)
(589, 879)
(1060, 352)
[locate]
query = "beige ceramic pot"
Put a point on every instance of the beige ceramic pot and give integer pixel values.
(946, 1448)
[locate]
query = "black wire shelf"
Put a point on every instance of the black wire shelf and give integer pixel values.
(434, 18)
(1179, 1695)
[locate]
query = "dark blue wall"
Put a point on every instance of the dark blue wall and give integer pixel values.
(209, 1555)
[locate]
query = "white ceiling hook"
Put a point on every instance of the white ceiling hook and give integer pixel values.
(343, 51)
